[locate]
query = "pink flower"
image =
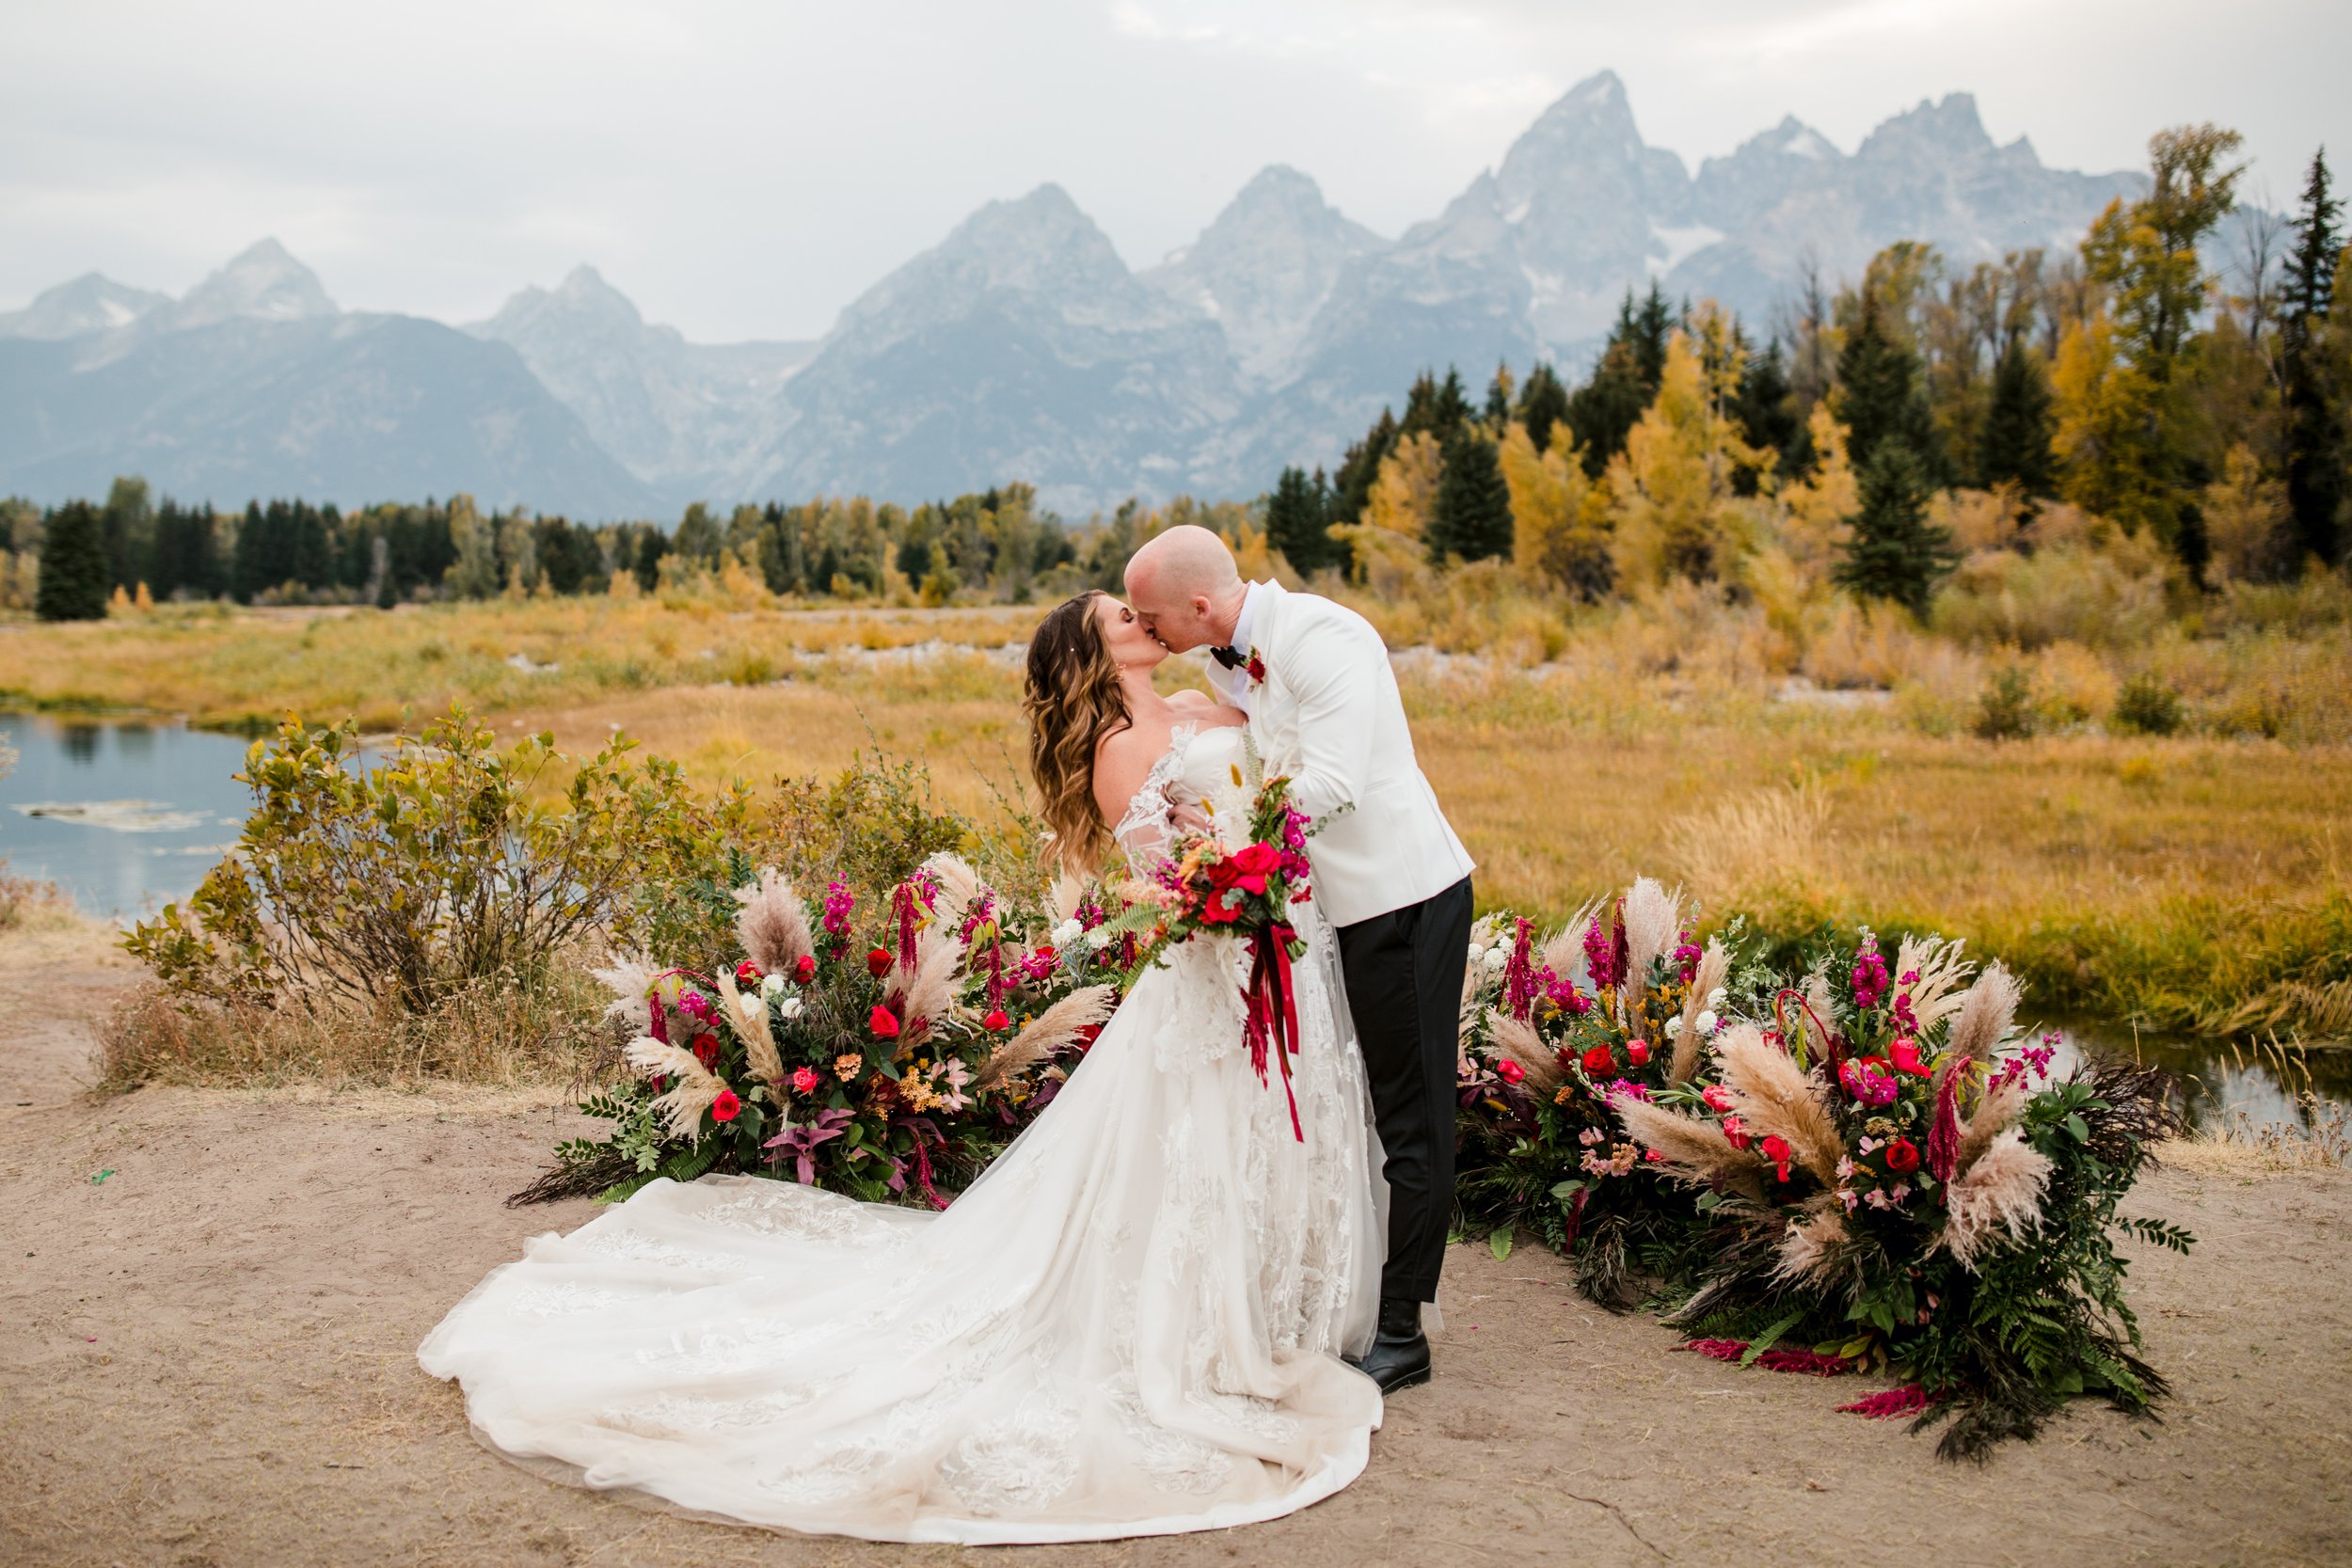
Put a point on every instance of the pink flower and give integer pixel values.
(726, 1107)
(884, 1022)
(1905, 1055)
(1736, 1133)
(996, 1022)
(1509, 1070)
(1252, 863)
(1777, 1149)
(805, 1080)
(1637, 1051)
(1718, 1097)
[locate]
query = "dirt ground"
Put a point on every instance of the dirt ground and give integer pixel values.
(212, 1297)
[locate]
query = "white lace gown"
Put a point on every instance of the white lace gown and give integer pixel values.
(1130, 1324)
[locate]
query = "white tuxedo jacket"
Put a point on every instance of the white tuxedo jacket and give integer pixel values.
(1328, 715)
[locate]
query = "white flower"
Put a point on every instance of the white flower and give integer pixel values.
(1715, 997)
(1707, 1021)
(1497, 958)
(1673, 1028)
(1065, 933)
(789, 1008)
(1476, 954)
(1099, 938)
(770, 984)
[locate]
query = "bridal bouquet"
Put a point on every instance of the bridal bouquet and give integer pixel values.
(1893, 1180)
(1617, 1006)
(1206, 884)
(874, 1055)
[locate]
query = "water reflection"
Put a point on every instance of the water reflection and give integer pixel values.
(124, 816)
(2263, 1085)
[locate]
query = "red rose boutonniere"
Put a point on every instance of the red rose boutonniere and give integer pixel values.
(1254, 667)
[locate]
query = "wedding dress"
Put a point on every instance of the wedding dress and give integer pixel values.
(1130, 1324)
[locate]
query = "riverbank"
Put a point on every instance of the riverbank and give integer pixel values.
(216, 1294)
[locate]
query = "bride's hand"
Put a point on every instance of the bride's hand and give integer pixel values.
(1186, 818)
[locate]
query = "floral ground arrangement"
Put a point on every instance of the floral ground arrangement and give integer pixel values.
(886, 1053)
(1855, 1167)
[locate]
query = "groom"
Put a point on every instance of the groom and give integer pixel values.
(1314, 679)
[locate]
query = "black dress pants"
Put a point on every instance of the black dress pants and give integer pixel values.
(1404, 974)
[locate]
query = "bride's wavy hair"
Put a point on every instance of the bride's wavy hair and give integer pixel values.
(1072, 700)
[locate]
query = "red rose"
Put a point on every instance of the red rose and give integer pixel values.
(1906, 1055)
(1219, 908)
(1902, 1155)
(1736, 1133)
(747, 974)
(1597, 1061)
(1637, 1051)
(1509, 1070)
(884, 1022)
(706, 1051)
(1087, 1036)
(725, 1106)
(996, 1022)
(1256, 667)
(805, 968)
(805, 1080)
(1777, 1149)
(1253, 863)
(878, 962)
(1221, 873)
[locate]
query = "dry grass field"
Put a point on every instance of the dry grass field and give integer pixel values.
(2196, 880)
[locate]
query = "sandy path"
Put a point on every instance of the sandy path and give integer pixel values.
(207, 1364)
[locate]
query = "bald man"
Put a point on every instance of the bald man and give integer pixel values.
(1389, 872)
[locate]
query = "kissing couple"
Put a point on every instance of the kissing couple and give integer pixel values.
(1164, 1307)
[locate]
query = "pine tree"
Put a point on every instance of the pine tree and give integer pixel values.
(2014, 446)
(1472, 515)
(1435, 408)
(75, 572)
(1879, 396)
(652, 545)
(2315, 455)
(1766, 408)
(129, 527)
(1543, 403)
(698, 536)
(1605, 409)
(1361, 468)
(1296, 515)
(1498, 396)
(1895, 552)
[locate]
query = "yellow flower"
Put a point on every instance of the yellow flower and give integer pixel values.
(845, 1068)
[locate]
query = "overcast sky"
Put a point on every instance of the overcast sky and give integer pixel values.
(745, 167)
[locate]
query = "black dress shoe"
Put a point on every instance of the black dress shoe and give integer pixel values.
(1399, 1357)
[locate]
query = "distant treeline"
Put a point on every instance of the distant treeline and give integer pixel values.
(297, 551)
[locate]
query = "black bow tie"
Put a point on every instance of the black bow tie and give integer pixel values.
(1227, 657)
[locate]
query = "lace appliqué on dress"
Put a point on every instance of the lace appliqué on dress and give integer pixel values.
(1143, 831)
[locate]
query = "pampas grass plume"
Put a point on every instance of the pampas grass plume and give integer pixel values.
(1999, 1195)
(1653, 917)
(1714, 965)
(1776, 1099)
(1986, 1012)
(1693, 1149)
(628, 977)
(1808, 1248)
(1526, 1047)
(772, 926)
(1941, 969)
(1052, 1029)
(691, 1089)
(749, 1014)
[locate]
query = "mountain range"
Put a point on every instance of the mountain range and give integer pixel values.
(1020, 347)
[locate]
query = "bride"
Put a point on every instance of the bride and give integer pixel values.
(1133, 1324)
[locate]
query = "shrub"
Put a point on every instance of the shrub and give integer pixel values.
(2005, 708)
(399, 883)
(2146, 705)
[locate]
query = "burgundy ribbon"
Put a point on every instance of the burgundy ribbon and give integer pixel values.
(1272, 1017)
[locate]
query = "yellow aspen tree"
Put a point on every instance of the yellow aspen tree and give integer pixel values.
(1559, 516)
(1672, 507)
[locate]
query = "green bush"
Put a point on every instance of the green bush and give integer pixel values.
(2146, 705)
(2005, 708)
(436, 868)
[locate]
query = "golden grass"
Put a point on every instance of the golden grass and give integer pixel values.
(2182, 881)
